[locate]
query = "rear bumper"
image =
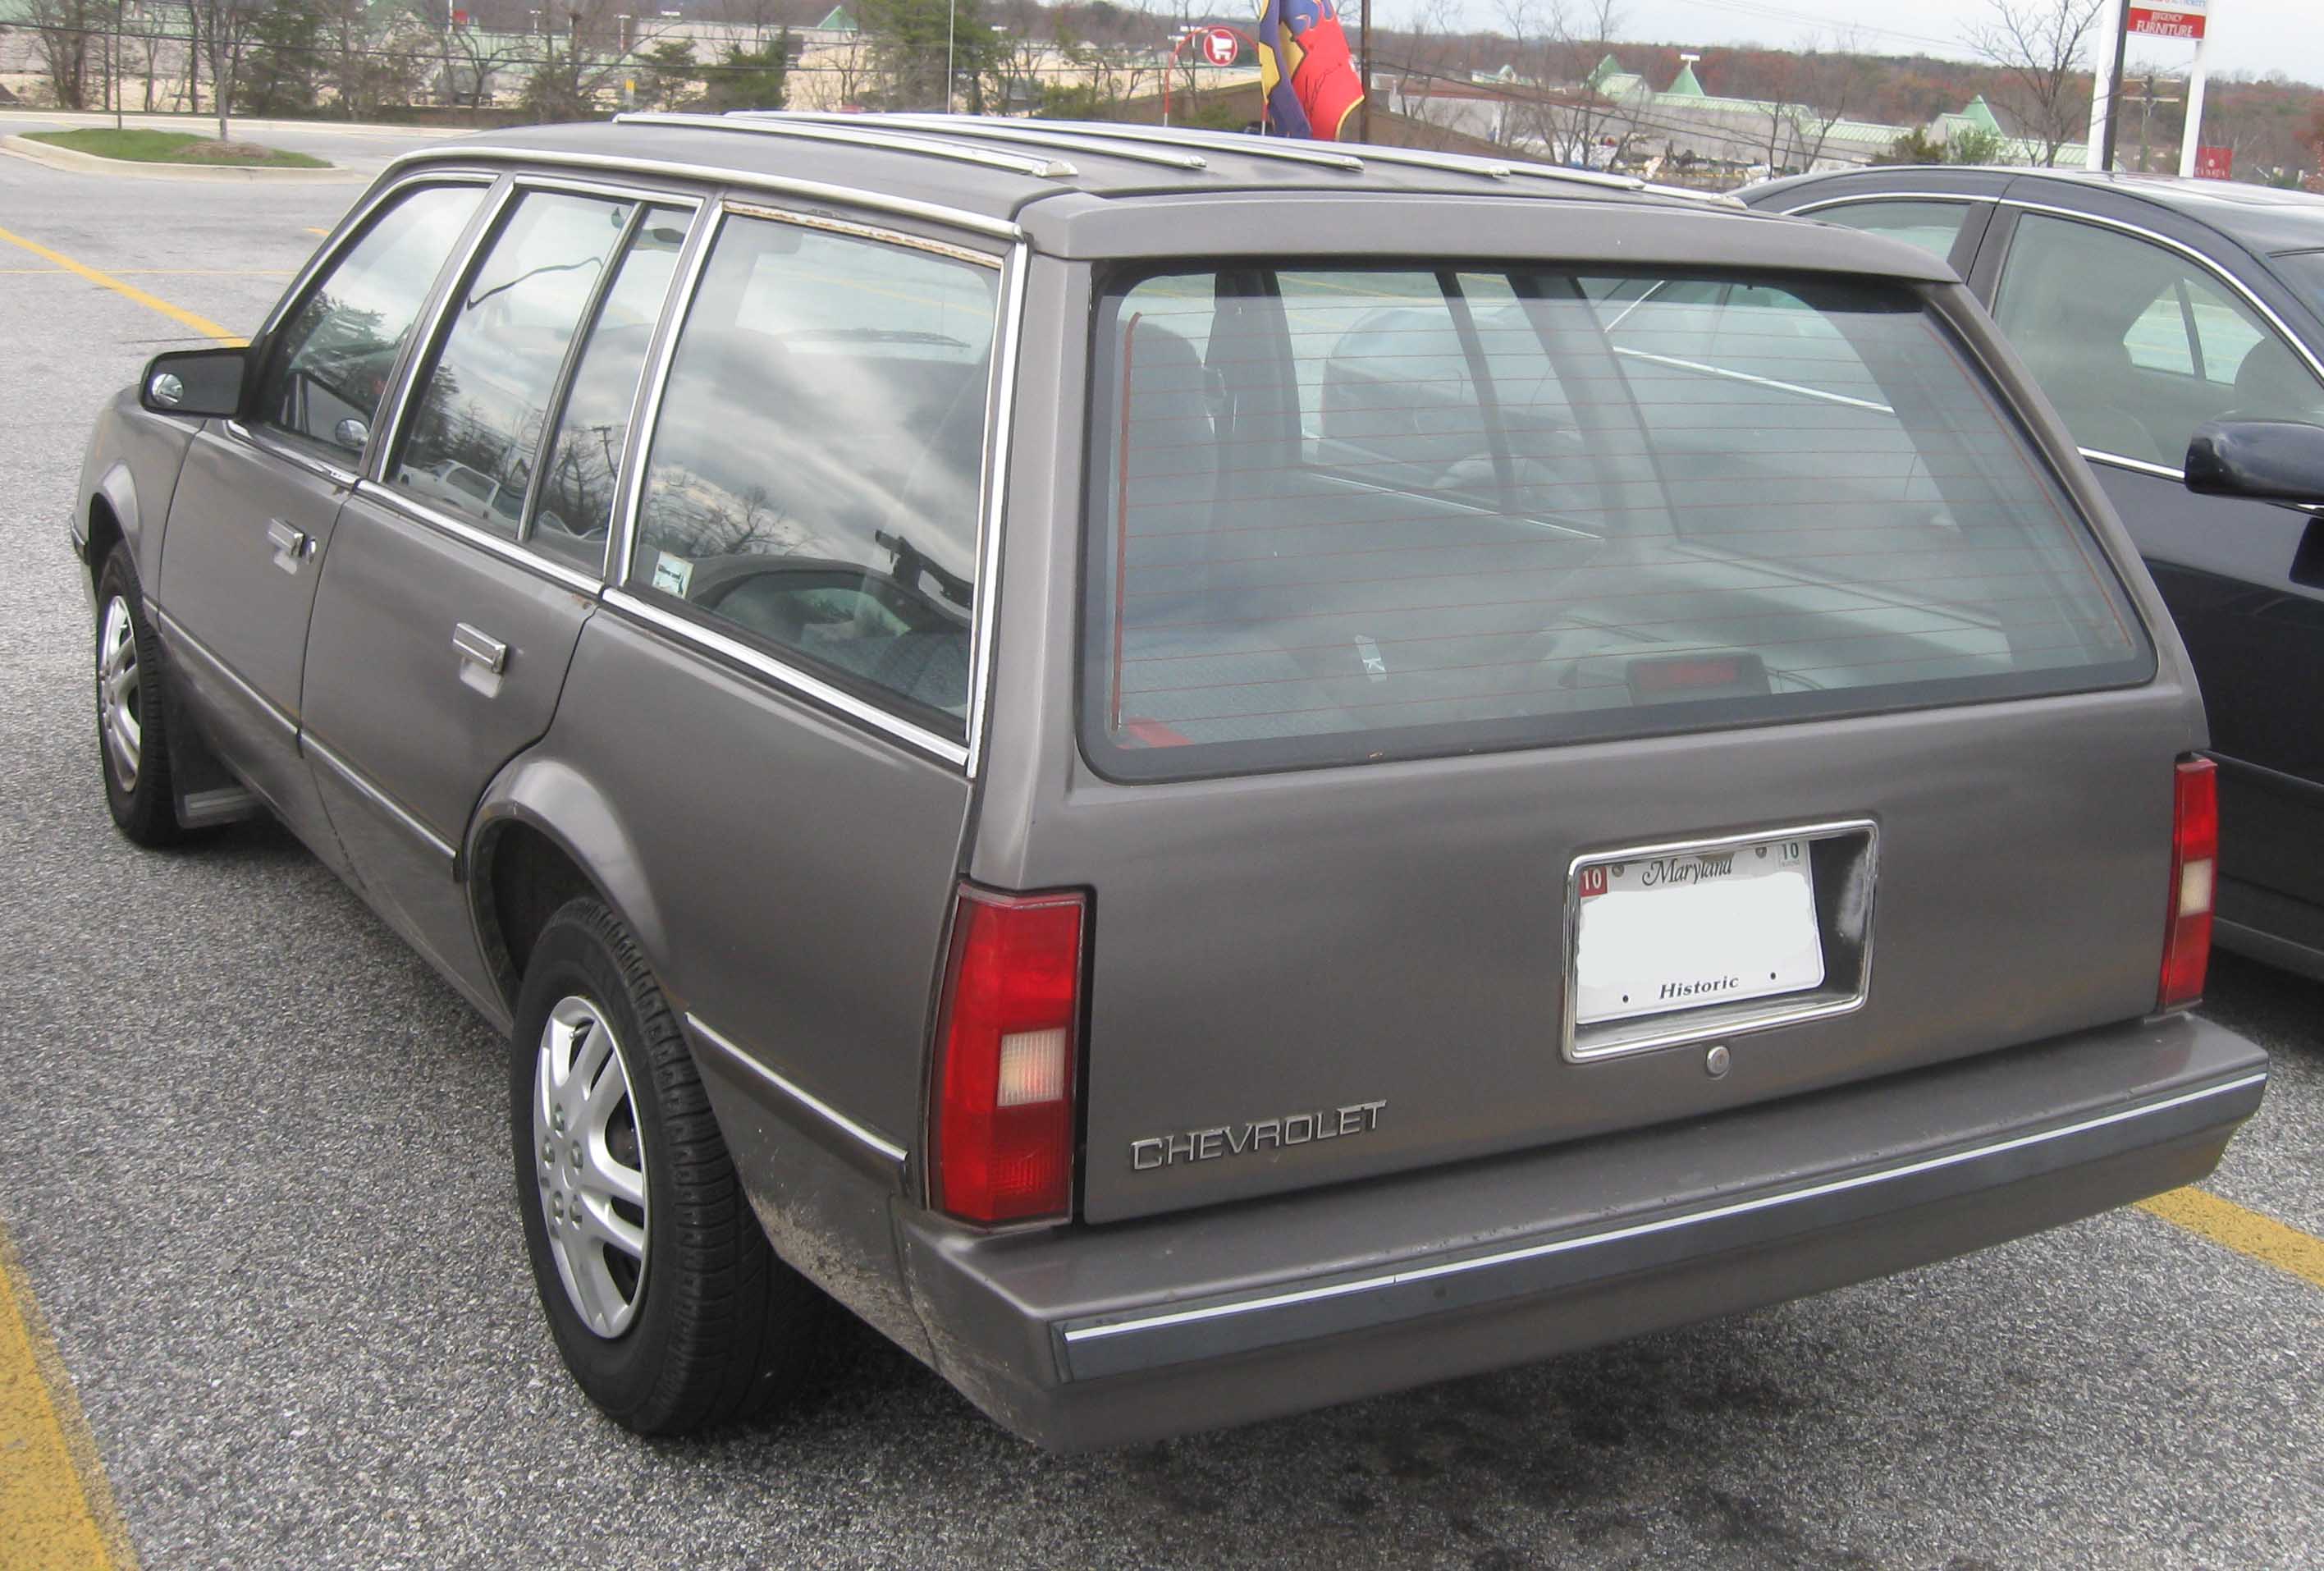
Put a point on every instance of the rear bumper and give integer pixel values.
(1087, 1336)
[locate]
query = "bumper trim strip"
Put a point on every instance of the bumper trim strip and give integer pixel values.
(1104, 1330)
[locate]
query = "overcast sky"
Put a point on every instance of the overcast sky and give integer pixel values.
(2253, 35)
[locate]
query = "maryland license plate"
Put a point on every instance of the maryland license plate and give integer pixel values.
(1695, 928)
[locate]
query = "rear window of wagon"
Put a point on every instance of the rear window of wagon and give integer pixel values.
(1342, 514)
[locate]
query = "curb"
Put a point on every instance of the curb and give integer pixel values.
(74, 162)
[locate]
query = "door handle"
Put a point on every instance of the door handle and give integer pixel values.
(480, 649)
(292, 546)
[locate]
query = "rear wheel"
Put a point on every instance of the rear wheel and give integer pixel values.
(665, 1299)
(131, 725)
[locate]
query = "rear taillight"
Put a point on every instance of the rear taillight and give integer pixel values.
(1001, 1116)
(2194, 874)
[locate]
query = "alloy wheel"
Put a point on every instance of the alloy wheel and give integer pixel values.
(589, 1160)
(120, 693)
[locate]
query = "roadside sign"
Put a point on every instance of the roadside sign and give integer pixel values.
(2184, 21)
(2215, 163)
(1221, 46)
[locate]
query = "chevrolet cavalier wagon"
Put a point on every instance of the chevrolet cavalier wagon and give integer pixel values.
(1202, 776)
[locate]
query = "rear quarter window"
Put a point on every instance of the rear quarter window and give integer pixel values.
(1349, 514)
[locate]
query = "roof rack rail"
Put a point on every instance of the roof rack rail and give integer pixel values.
(1024, 132)
(766, 124)
(1281, 149)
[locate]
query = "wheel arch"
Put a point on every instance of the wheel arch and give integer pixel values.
(111, 518)
(544, 834)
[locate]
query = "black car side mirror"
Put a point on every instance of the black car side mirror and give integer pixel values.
(202, 383)
(2265, 459)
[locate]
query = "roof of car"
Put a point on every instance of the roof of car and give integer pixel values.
(1090, 189)
(2261, 218)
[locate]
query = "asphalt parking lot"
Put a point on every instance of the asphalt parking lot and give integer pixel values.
(254, 1175)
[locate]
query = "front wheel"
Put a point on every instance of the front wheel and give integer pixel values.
(664, 1298)
(131, 724)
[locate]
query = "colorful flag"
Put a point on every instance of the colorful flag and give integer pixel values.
(1304, 65)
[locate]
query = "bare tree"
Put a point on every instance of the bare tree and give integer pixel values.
(1566, 106)
(371, 54)
(220, 34)
(66, 40)
(2038, 46)
(1806, 98)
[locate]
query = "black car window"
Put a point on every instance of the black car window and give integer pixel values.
(1933, 227)
(813, 480)
(476, 424)
(2137, 345)
(576, 508)
(330, 363)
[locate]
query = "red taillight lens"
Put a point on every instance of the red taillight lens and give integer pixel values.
(2194, 874)
(1004, 1105)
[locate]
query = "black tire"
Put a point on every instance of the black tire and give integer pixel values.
(137, 791)
(719, 1330)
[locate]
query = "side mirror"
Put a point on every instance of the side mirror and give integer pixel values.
(2265, 459)
(201, 382)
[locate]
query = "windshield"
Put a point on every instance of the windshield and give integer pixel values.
(1344, 514)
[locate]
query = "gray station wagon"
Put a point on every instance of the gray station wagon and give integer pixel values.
(1200, 775)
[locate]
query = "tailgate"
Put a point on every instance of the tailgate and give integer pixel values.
(1516, 706)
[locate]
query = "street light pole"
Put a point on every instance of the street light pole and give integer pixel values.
(951, 21)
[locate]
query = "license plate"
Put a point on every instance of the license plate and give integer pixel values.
(1695, 929)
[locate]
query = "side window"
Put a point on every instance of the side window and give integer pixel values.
(576, 510)
(2137, 344)
(813, 479)
(1933, 227)
(476, 422)
(331, 361)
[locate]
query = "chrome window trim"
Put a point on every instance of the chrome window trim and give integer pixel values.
(723, 174)
(999, 428)
(210, 657)
(800, 683)
(824, 221)
(313, 746)
(507, 551)
(343, 235)
(630, 503)
(1752, 1015)
(2139, 465)
(1862, 1180)
(805, 1098)
(560, 390)
(1853, 198)
(865, 134)
(509, 189)
(290, 454)
(645, 412)
(435, 323)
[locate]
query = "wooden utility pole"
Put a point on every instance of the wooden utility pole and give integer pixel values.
(1364, 22)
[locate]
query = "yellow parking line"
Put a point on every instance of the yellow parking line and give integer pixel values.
(312, 230)
(59, 1513)
(202, 324)
(2224, 1222)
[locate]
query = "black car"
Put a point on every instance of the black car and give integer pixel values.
(2146, 307)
